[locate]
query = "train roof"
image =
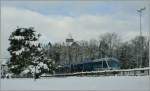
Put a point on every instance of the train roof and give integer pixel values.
(93, 61)
(106, 59)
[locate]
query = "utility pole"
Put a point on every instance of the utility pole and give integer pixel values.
(140, 37)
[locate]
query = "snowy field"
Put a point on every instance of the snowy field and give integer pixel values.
(125, 83)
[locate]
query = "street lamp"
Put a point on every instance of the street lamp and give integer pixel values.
(0, 54)
(140, 45)
(140, 14)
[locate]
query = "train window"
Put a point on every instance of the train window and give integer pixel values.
(142, 71)
(99, 64)
(104, 64)
(112, 63)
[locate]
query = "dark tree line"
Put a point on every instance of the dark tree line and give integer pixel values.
(132, 54)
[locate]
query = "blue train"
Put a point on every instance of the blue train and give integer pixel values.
(94, 65)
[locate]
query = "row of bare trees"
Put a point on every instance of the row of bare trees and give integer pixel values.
(132, 53)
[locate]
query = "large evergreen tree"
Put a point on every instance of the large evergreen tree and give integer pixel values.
(27, 55)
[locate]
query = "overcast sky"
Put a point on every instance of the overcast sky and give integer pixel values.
(83, 19)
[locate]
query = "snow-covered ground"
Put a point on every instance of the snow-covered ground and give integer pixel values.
(136, 83)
